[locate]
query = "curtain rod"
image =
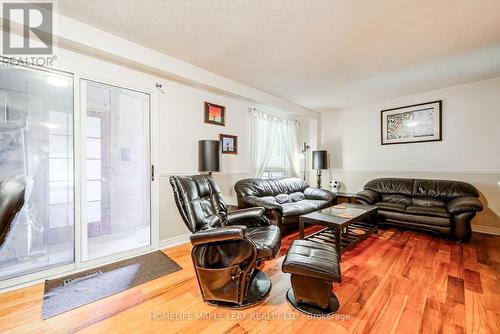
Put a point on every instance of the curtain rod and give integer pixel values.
(277, 114)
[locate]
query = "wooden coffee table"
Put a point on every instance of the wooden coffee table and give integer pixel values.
(345, 225)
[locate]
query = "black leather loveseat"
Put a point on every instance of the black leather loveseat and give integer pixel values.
(284, 199)
(439, 206)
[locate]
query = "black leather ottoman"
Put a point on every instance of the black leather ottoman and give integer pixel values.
(313, 268)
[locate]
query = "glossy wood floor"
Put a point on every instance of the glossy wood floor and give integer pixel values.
(395, 282)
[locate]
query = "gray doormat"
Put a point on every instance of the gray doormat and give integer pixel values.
(67, 293)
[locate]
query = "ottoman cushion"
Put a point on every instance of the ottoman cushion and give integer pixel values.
(312, 259)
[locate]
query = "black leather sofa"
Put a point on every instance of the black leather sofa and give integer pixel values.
(438, 206)
(284, 200)
(228, 247)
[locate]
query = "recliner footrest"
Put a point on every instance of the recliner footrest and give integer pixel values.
(313, 268)
(312, 259)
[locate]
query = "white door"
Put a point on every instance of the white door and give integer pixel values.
(116, 198)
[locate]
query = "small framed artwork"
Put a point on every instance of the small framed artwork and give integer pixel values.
(215, 114)
(412, 124)
(229, 144)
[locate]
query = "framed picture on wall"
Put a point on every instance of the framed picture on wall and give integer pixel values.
(229, 144)
(412, 124)
(215, 114)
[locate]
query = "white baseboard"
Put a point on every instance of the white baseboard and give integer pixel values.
(174, 241)
(486, 229)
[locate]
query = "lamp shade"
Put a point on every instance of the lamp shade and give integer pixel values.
(208, 156)
(319, 160)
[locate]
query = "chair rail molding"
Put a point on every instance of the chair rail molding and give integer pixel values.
(195, 172)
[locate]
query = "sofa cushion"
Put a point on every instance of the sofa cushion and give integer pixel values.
(297, 196)
(391, 206)
(428, 211)
(391, 186)
(413, 218)
(283, 198)
(428, 201)
(271, 187)
(396, 198)
(302, 207)
(443, 189)
(270, 199)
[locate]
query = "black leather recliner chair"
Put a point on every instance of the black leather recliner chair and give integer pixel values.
(228, 247)
(11, 201)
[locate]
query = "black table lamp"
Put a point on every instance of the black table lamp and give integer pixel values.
(320, 161)
(208, 156)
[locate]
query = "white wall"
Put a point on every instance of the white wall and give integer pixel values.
(469, 151)
(181, 126)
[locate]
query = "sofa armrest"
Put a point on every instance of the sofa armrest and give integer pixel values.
(236, 232)
(244, 214)
(367, 196)
(319, 194)
(262, 202)
(250, 217)
(464, 204)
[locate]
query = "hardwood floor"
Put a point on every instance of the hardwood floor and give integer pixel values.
(395, 282)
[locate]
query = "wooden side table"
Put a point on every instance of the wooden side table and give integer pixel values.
(345, 198)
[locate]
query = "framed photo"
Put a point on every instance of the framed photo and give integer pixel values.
(412, 124)
(229, 144)
(215, 114)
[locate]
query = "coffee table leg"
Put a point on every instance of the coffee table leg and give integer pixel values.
(301, 228)
(337, 242)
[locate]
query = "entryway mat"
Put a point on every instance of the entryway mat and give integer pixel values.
(67, 293)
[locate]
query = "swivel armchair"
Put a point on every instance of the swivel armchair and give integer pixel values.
(11, 201)
(228, 247)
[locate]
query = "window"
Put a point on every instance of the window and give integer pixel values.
(276, 168)
(273, 175)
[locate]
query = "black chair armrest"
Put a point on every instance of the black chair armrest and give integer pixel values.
(244, 214)
(367, 196)
(262, 202)
(236, 232)
(319, 194)
(464, 204)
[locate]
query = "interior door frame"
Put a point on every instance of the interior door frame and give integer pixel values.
(78, 187)
(80, 235)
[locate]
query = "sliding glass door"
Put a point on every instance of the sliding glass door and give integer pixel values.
(37, 140)
(36, 145)
(116, 203)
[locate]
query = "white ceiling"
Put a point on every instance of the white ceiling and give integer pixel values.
(322, 54)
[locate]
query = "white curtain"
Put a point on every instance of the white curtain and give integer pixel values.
(288, 130)
(266, 130)
(263, 135)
